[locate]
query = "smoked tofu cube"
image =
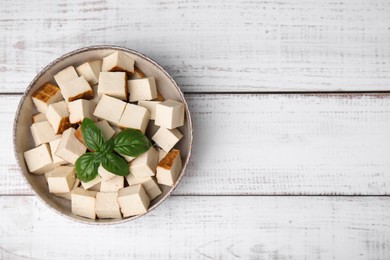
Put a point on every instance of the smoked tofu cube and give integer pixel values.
(79, 135)
(166, 138)
(133, 200)
(107, 130)
(113, 185)
(89, 184)
(83, 203)
(42, 133)
(110, 109)
(107, 205)
(38, 159)
(90, 71)
(145, 164)
(39, 117)
(136, 117)
(75, 89)
(142, 89)
(65, 75)
(150, 106)
(113, 84)
(46, 95)
(149, 184)
(170, 114)
(104, 174)
(58, 116)
(61, 179)
(53, 148)
(69, 148)
(168, 169)
(118, 61)
(80, 109)
(138, 74)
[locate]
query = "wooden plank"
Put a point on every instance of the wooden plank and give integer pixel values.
(276, 45)
(206, 228)
(269, 144)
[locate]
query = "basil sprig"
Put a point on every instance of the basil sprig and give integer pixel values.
(129, 142)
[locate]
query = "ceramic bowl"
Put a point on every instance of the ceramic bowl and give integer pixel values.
(23, 141)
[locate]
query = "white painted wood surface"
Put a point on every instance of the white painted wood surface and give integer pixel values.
(287, 45)
(245, 144)
(271, 144)
(206, 228)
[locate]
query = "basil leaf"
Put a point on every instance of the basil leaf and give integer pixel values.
(131, 142)
(92, 135)
(86, 167)
(115, 164)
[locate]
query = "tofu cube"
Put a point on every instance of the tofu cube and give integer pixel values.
(39, 117)
(65, 75)
(170, 114)
(90, 71)
(68, 195)
(58, 116)
(83, 203)
(133, 200)
(127, 158)
(145, 164)
(69, 148)
(80, 109)
(107, 205)
(113, 185)
(38, 159)
(149, 184)
(166, 138)
(106, 129)
(113, 84)
(150, 106)
(96, 96)
(142, 89)
(53, 148)
(46, 95)
(110, 109)
(75, 89)
(104, 174)
(151, 129)
(61, 179)
(161, 154)
(136, 117)
(168, 169)
(118, 61)
(96, 187)
(89, 184)
(42, 133)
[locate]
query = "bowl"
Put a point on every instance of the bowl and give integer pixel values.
(22, 138)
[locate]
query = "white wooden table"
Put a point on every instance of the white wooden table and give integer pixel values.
(291, 107)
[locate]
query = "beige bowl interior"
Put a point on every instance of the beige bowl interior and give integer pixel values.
(23, 139)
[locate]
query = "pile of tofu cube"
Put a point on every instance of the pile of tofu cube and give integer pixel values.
(116, 95)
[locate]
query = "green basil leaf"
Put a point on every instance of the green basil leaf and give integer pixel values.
(131, 142)
(86, 167)
(92, 135)
(115, 164)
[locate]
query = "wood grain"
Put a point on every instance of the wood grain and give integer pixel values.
(206, 228)
(287, 45)
(269, 145)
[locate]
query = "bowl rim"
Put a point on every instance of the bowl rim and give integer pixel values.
(76, 52)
